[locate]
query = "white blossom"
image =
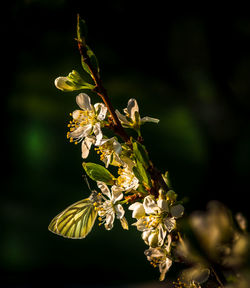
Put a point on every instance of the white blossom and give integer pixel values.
(155, 219)
(132, 118)
(110, 150)
(86, 123)
(159, 256)
(126, 180)
(110, 208)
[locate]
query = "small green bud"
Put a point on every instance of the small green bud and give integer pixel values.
(72, 82)
(171, 195)
(153, 239)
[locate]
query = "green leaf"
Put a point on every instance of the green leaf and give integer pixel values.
(81, 30)
(166, 179)
(137, 174)
(141, 189)
(141, 154)
(93, 59)
(142, 175)
(86, 52)
(85, 66)
(98, 173)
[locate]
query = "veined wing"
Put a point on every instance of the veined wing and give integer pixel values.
(76, 221)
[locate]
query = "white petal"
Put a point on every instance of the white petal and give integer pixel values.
(138, 210)
(116, 195)
(101, 110)
(170, 224)
(154, 253)
(132, 108)
(141, 224)
(153, 239)
(61, 83)
(85, 149)
(98, 133)
(164, 267)
(116, 161)
(86, 145)
(119, 211)
(103, 141)
(117, 189)
(117, 147)
(150, 206)
(76, 114)
(163, 204)
(83, 101)
(169, 241)
(161, 235)
(122, 118)
(104, 188)
(149, 119)
(197, 273)
(145, 236)
(177, 210)
(81, 131)
(109, 221)
(106, 160)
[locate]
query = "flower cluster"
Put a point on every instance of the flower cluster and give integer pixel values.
(156, 213)
(156, 219)
(127, 178)
(86, 128)
(136, 182)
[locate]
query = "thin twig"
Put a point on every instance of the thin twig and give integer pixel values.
(217, 278)
(101, 91)
(117, 126)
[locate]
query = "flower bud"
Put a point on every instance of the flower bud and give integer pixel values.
(153, 239)
(72, 82)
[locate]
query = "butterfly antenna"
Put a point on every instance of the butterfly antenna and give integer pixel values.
(87, 181)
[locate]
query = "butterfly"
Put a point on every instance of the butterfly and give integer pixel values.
(78, 219)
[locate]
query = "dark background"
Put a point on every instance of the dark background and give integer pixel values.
(190, 71)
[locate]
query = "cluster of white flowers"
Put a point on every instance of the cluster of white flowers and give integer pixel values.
(136, 177)
(138, 183)
(86, 127)
(156, 219)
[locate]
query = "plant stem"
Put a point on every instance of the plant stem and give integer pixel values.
(117, 126)
(217, 277)
(101, 91)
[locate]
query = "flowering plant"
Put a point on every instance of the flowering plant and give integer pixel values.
(136, 184)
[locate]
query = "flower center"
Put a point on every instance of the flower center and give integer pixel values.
(156, 261)
(126, 178)
(80, 119)
(151, 221)
(105, 209)
(105, 150)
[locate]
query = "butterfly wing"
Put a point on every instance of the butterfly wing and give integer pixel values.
(76, 221)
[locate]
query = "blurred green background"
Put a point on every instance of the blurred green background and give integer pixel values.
(191, 72)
